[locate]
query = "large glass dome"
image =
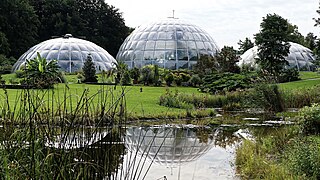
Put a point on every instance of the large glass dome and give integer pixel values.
(299, 57)
(170, 43)
(70, 52)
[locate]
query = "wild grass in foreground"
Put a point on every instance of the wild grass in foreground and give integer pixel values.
(46, 136)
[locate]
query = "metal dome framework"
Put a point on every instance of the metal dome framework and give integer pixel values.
(299, 57)
(170, 43)
(70, 52)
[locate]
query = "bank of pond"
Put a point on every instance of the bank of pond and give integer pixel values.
(109, 132)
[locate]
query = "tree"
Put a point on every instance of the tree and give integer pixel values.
(19, 23)
(317, 20)
(245, 45)
(40, 73)
(294, 35)
(227, 60)
(273, 46)
(311, 41)
(206, 64)
(89, 70)
(135, 74)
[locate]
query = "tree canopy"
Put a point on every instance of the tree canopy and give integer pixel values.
(23, 23)
(245, 45)
(273, 46)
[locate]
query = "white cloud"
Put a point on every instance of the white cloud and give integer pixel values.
(227, 21)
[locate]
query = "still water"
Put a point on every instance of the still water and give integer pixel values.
(171, 152)
(180, 152)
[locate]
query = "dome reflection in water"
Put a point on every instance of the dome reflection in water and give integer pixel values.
(179, 152)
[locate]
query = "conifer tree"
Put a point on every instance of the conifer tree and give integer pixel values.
(89, 70)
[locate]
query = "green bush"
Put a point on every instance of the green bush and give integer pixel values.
(299, 98)
(303, 157)
(20, 73)
(268, 97)
(218, 82)
(170, 99)
(309, 118)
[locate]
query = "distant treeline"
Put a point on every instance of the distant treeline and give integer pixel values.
(24, 23)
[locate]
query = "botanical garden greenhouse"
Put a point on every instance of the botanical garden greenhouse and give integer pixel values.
(299, 57)
(70, 52)
(169, 43)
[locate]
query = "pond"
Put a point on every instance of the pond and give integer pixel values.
(171, 152)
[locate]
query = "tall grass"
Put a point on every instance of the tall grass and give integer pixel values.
(44, 136)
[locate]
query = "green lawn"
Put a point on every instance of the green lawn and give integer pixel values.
(308, 79)
(139, 104)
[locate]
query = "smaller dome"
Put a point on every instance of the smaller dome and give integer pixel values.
(299, 57)
(70, 52)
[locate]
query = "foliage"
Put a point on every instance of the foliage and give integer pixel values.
(230, 101)
(95, 20)
(227, 60)
(173, 100)
(268, 97)
(302, 157)
(294, 35)
(89, 70)
(273, 46)
(122, 73)
(126, 79)
(157, 81)
(6, 64)
(19, 26)
(245, 45)
(259, 159)
(195, 80)
(205, 65)
(309, 118)
(147, 75)
(288, 75)
(4, 44)
(310, 41)
(40, 73)
(169, 78)
(135, 74)
(227, 81)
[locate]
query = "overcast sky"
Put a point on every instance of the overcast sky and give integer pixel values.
(227, 21)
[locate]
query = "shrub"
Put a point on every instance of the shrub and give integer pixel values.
(303, 157)
(309, 118)
(268, 97)
(225, 82)
(20, 73)
(170, 99)
(195, 80)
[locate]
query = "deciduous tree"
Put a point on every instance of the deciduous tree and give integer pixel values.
(273, 46)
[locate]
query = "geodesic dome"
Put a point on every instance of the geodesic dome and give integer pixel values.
(299, 57)
(169, 43)
(70, 53)
(167, 145)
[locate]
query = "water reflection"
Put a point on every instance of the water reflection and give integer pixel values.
(180, 152)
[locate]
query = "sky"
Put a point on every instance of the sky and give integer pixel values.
(227, 21)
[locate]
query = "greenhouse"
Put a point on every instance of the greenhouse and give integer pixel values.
(70, 52)
(299, 57)
(169, 43)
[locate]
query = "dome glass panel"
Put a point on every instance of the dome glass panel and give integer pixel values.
(299, 57)
(166, 43)
(70, 52)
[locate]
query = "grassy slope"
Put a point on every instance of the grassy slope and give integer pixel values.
(308, 79)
